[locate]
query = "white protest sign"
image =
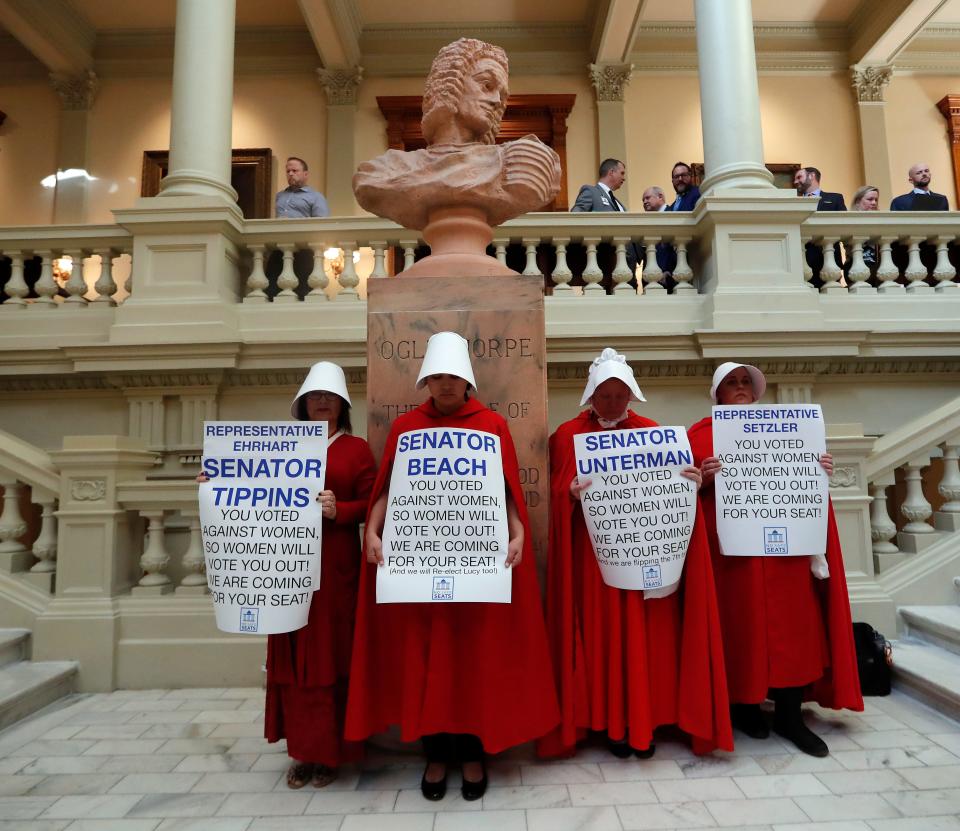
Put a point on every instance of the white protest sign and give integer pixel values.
(445, 535)
(261, 522)
(639, 511)
(771, 492)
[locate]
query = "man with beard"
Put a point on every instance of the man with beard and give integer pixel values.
(920, 198)
(688, 194)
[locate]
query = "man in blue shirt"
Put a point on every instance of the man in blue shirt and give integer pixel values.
(688, 194)
(298, 199)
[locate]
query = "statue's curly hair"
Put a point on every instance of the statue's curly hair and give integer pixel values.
(444, 86)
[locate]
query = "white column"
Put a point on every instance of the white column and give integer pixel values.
(729, 96)
(202, 108)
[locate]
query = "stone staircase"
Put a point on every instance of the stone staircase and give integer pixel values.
(26, 686)
(926, 660)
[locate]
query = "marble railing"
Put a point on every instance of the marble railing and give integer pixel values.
(932, 440)
(574, 254)
(28, 477)
(68, 266)
(166, 509)
(884, 252)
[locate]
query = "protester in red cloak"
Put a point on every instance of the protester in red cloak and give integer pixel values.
(467, 678)
(787, 635)
(626, 664)
(307, 670)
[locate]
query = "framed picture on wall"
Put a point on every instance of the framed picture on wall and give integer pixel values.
(251, 175)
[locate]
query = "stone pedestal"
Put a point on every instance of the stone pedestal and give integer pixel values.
(502, 318)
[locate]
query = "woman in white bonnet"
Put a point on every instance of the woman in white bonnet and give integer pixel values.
(626, 664)
(307, 670)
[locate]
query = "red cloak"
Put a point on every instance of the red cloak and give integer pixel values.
(782, 627)
(626, 665)
(480, 668)
(307, 670)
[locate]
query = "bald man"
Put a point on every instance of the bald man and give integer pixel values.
(921, 198)
(654, 200)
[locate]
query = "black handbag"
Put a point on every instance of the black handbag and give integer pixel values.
(874, 659)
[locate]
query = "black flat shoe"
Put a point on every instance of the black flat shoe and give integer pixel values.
(472, 791)
(621, 750)
(434, 791)
(803, 737)
(646, 754)
(749, 720)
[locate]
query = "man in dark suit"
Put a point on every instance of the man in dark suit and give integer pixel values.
(807, 182)
(921, 198)
(655, 201)
(688, 194)
(599, 197)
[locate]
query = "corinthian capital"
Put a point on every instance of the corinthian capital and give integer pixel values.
(609, 80)
(76, 91)
(341, 85)
(869, 81)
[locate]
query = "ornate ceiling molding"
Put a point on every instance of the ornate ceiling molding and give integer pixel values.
(341, 85)
(610, 80)
(869, 82)
(78, 90)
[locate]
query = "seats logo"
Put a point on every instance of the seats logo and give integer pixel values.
(249, 620)
(775, 540)
(443, 588)
(651, 576)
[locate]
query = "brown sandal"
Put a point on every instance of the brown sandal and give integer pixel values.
(298, 774)
(323, 776)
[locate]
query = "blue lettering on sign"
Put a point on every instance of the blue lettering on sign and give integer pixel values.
(249, 620)
(443, 588)
(775, 540)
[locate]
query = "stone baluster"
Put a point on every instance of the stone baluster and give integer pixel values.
(622, 275)
(859, 271)
(807, 270)
(915, 508)
(194, 564)
(948, 517)
(257, 282)
(944, 272)
(500, 250)
(652, 274)
(14, 555)
(409, 252)
(683, 274)
(318, 280)
(592, 275)
(348, 277)
(561, 274)
(379, 260)
(830, 272)
(531, 269)
(76, 286)
(16, 288)
(887, 272)
(46, 287)
(287, 281)
(916, 272)
(882, 528)
(128, 283)
(45, 545)
(155, 557)
(105, 285)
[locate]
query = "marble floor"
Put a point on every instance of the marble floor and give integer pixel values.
(161, 760)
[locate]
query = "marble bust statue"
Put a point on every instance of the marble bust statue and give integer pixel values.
(463, 182)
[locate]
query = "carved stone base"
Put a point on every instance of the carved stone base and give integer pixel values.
(915, 543)
(502, 318)
(192, 590)
(884, 562)
(43, 580)
(943, 521)
(13, 562)
(152, 591)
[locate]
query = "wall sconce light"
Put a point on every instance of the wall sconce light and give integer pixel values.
(62, 269)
